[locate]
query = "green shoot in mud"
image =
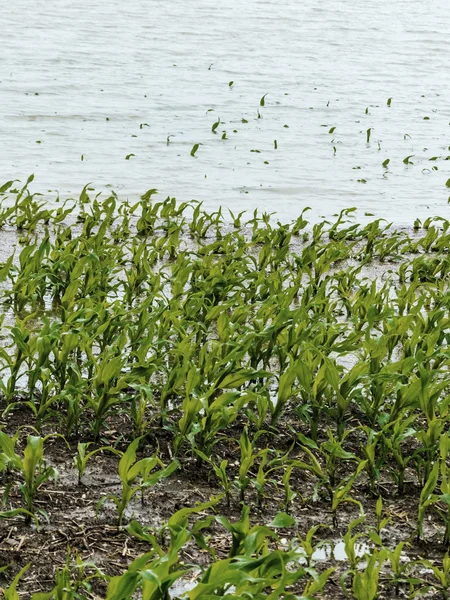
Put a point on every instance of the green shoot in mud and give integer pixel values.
(135, 476)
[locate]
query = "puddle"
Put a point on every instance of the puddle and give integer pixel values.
(332, 552)
(337, 551)
(181, 587)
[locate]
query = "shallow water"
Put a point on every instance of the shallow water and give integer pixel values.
(77, 81)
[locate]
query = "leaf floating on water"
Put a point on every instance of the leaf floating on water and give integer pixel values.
(262, 102)
(448, 183)
(407, 161)
(128, 156)
(143, 124)
(369, 131)
(389, 101)
(386, 162)
(195, 147)
(275, 144)
(230, 84)
(244, 121)
(215, 126)
(332, 129)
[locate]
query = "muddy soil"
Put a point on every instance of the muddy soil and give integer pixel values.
(71, 528)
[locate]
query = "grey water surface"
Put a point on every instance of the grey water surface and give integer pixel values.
(86, 84)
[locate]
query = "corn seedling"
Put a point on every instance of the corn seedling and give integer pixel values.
(136, 476)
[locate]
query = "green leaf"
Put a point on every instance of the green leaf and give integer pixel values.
(282, 519)
(111, 370)
(430, 484)
(5, 187)
(235, 380)
(123, 586)
(10, 593)
(128, 459)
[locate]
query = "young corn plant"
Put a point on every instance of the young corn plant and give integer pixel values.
(375, 533)
(427, 498)
(394, 440)
(352, 545)
(81, 458)
(438, 481)
(106, 386)
(341, 494)
(141, 405)
(252, 541)
(399, 569)
(150, 577)
(247, 460)
(306, 547)
(441, 577)
(220, 471)
(135, 476)
(32, 467)
(365, 583)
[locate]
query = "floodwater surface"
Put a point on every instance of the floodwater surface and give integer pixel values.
(118, 94)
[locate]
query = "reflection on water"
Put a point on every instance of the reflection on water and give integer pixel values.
(84, 85)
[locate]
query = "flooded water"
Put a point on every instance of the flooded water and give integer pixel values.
(86, 84)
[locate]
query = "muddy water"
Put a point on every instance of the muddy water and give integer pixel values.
(86, 84)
